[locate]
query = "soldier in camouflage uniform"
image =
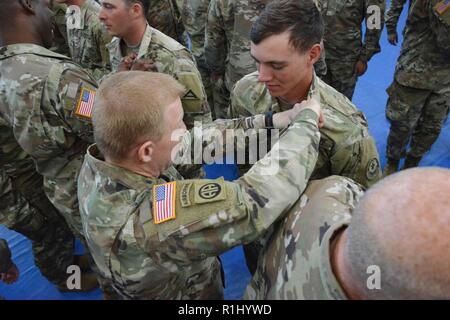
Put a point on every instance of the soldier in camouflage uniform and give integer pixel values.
(194, 14)
(24, 208)
(86, 37)
(157, 52)
(165, 16)
(346, 147)
(347, 55)
(336, 242)
(60, 44)
(8, 270)
(419, 97)
(392, 16)
(39, 84)
(152, 254)
(284, 78)
(291, 265)
(227, 46)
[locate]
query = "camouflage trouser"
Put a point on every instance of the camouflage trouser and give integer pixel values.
(27, 210)
(221, 97)
(414, 114)
(341, 76)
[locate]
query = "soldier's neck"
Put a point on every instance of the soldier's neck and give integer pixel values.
(135, 34)
(12, 34)
(146, 171)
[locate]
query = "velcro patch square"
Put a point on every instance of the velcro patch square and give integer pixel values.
(85, 104)
(164, 202)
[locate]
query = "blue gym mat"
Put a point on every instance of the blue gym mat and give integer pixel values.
(370, 96)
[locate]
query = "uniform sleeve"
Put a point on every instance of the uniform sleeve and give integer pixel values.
(102, 39)
(393, 14)
(5, 256)
(371, 43)
(213, 140)
(195, 103)
(214, 216)
(358, 160)
(439, 13)
(68, 99)
(216, 49)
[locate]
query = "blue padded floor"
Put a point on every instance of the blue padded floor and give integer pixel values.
(370, 96)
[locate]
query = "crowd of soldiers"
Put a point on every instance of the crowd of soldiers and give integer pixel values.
(91, 93)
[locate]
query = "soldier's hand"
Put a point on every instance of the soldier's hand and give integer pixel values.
(311, 104)
(143, 65)
(10, 276)
(393, 38)
(361, 68)
(127, 62)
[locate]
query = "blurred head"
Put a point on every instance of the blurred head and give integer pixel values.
(285, 43)
(27, 21)
(120, 16)
(402, 225)
(135, 114)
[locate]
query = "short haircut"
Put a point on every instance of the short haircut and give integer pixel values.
(129, 109)
(401, 225)
(301, 17)
(145, 4)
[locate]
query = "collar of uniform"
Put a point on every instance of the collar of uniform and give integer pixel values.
(126, 177)
(28, 48)
(115, 44)
(330, 284)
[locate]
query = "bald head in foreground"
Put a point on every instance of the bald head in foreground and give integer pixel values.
(393, 242)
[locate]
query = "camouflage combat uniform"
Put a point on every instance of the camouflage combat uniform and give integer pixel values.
(419, 97)
(42, 99)
(60, 44)
(346, 147)
(295, 263)
(24, 208)
(88, 39)
(173, 59)
(176, 259)
(5, 256)
(227, 45)
(165, 16)
(343, 39)
(393, 14)
(193, 14)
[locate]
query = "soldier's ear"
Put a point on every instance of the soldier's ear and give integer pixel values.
(145, 151)
(314, 53)
(28, 5)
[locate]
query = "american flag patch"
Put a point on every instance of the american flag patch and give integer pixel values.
(442, 7)
(86, 103)
(164, 202)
